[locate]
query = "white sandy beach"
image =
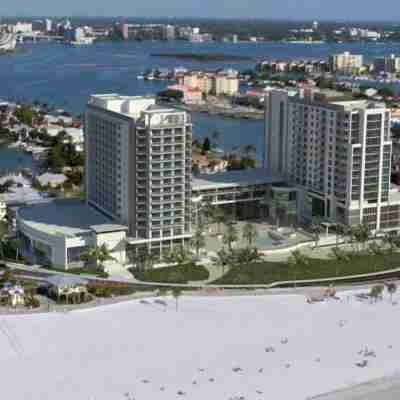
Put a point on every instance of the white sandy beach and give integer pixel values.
(212, 348)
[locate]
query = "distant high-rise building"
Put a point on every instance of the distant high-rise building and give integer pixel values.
(138, 169)
(389, 64)
(168, 32)
(337, 153)
(49, 25)
(315, 25)
(345, 62)
(125, 31)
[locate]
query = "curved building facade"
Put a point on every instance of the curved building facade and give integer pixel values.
(8, 41)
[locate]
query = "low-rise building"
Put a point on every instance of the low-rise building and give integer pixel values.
(189, 95)
(13, 294)
(68, 288)
(217, 83)
(202, 164)
(60, 232)
(52, 180)
(241, 193)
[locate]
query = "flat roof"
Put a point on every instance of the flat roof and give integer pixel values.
(65, 218)
(248, 177)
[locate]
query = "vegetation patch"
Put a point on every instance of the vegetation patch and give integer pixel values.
(176, 274)
(110, 290)
(305, 268)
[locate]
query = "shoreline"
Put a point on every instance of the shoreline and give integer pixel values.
(226, 113)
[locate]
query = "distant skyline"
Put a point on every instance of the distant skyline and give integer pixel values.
(353, 10)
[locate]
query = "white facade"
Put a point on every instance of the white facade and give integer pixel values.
(338, 153)
(8, 41)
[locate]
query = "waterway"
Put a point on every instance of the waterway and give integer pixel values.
(65, 76)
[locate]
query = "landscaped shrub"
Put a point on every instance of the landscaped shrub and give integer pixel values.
(175, 274)
(110, 290)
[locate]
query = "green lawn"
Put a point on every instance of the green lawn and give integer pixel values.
(175, 274)
(269, 272)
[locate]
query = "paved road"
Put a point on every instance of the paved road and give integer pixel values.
(378, 276)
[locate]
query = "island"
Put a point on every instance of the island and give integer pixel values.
(204, 57)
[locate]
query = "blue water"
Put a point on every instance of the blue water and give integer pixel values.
(65, 76)
(12, 160)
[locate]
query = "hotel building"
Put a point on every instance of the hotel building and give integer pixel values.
(337, 152)
(138, 169)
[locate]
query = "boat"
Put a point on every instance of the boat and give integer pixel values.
(140, 77)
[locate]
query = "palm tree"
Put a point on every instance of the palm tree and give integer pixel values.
(198, 240)
(376, 292)
(316, 229)
(339, 255)
(215, 138)
(249, 233)
(16, 245)
(280, 207)
(222, 259)
(375, 249)
(248, 150)
(361, 235)
(391, 288)
(98, 255)
(2, 245)
(167, 256)
(230, 236)
(296, 260)
(391, 241)
(246, 256)
(176, 293)
(291, 214)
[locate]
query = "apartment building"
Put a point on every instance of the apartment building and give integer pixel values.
(197, 80)
(337, 152)
(345, 63)
(226, 84)
(138, 163)
(218, 83)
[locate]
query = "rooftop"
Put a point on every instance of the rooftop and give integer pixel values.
(64, 218)
(130, 106)
(257, 176)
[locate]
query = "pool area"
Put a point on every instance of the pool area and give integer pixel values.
(269, 237)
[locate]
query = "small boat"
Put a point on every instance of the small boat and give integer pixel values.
(140, 77)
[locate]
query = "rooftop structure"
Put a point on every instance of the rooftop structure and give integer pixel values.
(229, 179)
